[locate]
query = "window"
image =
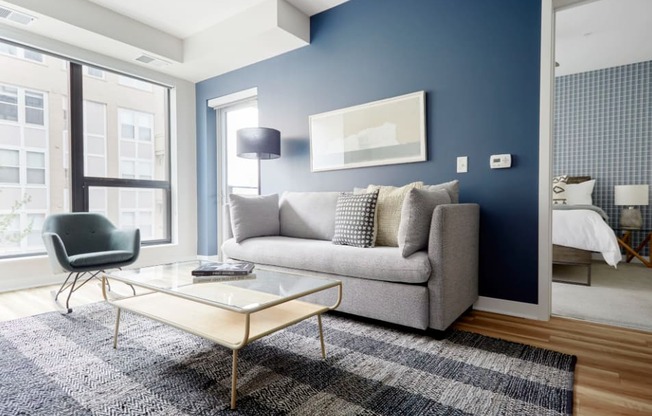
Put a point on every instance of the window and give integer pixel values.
(93, 72)
(241, 174)
(8, 103)
(8, 49)
(69, 146)
(136, 145)
(95, 163)
(28, 54)
(126, 156)
(32, 55)
(34, 108)
(9, 166)
(35, 168)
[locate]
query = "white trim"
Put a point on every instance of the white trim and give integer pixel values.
(567, 4)
(228, 100)
(508, 307)
(544, 306)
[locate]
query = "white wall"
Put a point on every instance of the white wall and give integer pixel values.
(34, 271)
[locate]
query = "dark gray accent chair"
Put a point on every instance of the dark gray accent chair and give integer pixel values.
(84, 242)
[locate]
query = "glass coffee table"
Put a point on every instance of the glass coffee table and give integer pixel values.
(232, 313)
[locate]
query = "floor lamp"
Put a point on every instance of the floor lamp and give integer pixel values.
(258, 143)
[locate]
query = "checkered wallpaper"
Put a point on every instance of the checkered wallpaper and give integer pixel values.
(603, 128)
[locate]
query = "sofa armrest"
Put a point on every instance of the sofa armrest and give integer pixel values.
(453, 253)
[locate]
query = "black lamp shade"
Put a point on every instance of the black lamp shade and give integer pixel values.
(258, 143)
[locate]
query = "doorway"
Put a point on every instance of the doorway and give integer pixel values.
(236, 175)
(597, 131)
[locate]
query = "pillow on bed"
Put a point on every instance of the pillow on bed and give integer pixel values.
(559, 189)
(580, 194)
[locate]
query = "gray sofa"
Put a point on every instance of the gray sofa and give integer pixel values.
(428, 289)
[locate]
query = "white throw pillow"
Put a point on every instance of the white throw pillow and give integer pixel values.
(580, 193)
(452, 187)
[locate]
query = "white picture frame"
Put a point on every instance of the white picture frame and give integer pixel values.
(383, 132)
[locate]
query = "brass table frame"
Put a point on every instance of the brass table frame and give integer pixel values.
(169, 308)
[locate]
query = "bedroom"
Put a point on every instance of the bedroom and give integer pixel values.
(602, 128)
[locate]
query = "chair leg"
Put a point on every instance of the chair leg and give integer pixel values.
(74, 285)
(65, 286)
(72, 289)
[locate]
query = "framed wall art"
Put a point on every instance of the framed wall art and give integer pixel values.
(382, 132)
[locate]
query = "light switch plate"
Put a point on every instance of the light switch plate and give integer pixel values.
(462, 164)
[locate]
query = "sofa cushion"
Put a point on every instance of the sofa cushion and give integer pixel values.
(253, 216)
(378, 263)
(308, 214)
(390, 201)
(452, 187)
(355, 219)
(416, 215)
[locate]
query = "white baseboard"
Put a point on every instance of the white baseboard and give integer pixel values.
(26, 273)
(509, 307)
(28, 282)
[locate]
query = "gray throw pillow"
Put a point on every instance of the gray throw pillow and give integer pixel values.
(452, 187)
(416, 215)
(355, 218)
(254, 216)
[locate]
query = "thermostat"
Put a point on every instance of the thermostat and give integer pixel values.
(500, 161)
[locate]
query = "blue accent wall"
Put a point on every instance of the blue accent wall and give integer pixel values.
(478, 62)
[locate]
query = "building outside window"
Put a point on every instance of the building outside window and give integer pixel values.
(125, 149)
(15, 51)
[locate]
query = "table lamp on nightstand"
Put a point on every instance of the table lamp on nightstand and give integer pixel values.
(631, 196)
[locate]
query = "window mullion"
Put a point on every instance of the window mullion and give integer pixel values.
(79, 191)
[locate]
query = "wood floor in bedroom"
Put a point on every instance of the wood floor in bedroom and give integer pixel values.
(614, 367)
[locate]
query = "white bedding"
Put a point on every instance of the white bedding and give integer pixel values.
(585, 230)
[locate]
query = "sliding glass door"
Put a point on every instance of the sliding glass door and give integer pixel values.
(235, 175)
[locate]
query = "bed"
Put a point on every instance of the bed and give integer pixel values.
(580, 228)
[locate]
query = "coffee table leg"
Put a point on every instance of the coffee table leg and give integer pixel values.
(321, 337)
(115, 334)
(234, 379)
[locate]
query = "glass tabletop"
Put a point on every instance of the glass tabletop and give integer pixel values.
(265, 289)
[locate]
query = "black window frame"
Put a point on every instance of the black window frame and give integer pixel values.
(80, 183)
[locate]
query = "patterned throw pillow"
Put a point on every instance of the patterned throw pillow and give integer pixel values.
(559, 189)
(355, 217)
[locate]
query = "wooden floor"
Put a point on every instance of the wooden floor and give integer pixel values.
(613, 375)
(614, 367)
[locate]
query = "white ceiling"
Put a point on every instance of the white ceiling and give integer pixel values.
(603, 34)
(198, 38)
(204, 38)
(183, 19)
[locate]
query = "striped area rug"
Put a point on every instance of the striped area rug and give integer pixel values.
(65, 365)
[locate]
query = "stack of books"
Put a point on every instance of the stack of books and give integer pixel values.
(222, 272)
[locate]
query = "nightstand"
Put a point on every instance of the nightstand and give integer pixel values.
(626, 242)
